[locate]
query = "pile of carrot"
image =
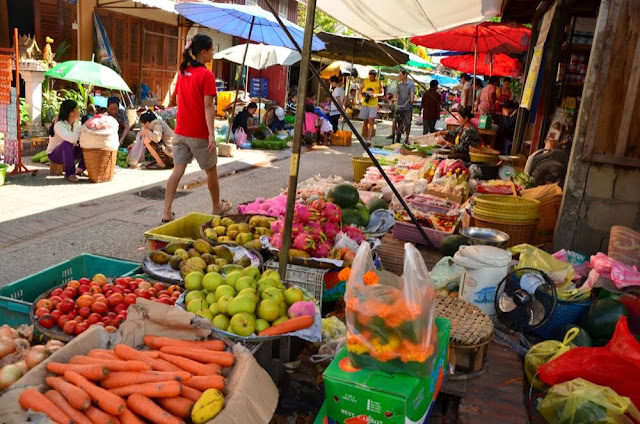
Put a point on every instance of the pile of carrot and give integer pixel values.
(127, 386)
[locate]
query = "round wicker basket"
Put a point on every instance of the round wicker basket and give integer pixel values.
(100, 164)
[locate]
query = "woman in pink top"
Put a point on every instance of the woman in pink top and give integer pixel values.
(488, 97)
(311, 125)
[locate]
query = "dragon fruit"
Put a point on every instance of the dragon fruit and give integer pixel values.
(332, 213)
(322, 250)
(304, 241)
(318, 204)
(316, 215)
(276, 240)
(296, 228)
(315, 230)
(302, 213)
(276, 226)
(354, 233)
(331, 230)
(302, 308)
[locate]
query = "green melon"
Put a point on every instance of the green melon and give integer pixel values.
(362, 209)
(352, 216)
(376, 203)
(343, 195)
(582, 339)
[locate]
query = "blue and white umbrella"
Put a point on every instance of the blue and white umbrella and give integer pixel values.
(105, 53)
(238, 20)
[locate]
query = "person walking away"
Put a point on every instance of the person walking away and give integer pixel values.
(157, 138)
(465, 93)
(431, 108)
(114, 110)
(371, 90)
(464, 136)
(195, 134)
(63, 141)
(406, 96)
(338, 94)
(503, 93)
(245, 121)
(487, 99)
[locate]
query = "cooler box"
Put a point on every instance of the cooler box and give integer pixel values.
(356, 395)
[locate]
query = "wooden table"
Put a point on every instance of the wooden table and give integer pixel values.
(488, 136)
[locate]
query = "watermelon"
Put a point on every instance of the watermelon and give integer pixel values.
(352, 216)
(601, 318)
(343, 195)
(364, 212)
(450, 244)
(376, 203)
(582, 339)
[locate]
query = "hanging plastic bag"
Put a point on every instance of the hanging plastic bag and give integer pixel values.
(543, 352)
(580, 401)
(446, 274)
(560, 272)
(240, 137)
(390, 319)
(136, 154)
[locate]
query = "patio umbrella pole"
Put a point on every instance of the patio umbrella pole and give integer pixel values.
(244, 58)
(475, 62)
(291, 193)
(305, 65)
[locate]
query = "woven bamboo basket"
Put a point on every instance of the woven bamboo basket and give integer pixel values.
(471, 332)
(56, 168)
(360, 165)
(518, 232)
(480, 157)
(548, 216)
(100, 164)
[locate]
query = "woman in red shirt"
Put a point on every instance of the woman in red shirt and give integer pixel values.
(195, 135)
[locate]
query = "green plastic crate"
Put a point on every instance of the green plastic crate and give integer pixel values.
(16, 298)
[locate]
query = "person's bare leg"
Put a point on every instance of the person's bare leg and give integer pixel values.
(371, 124)
(152, 151)
(213, 185)
(365, 129)
(172, 187)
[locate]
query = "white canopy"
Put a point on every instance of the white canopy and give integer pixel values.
(390, 19)
(259, 56)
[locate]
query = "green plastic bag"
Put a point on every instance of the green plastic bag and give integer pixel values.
(561, 273)
(580, 401)
(544, 352)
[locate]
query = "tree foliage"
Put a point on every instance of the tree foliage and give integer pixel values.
(323, 22)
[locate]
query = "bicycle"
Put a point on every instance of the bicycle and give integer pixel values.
(399, 120)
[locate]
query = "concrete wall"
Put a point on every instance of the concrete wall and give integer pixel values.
(611, 197)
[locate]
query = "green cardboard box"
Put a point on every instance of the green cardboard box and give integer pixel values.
(322, 418)
(363, 396)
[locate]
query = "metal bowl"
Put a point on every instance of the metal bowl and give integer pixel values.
(485, 236)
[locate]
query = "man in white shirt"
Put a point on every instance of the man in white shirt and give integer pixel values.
(465, 96)
(338, 94)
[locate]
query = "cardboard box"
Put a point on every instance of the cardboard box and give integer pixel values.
(250, 395)
(362, 396)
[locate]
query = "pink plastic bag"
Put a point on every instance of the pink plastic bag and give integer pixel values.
(620, 274)
(136, 154)
(240, 137)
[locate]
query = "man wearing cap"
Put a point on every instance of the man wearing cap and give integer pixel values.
(371, 90)
(274, 118)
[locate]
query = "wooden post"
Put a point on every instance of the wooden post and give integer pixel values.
(294, 166)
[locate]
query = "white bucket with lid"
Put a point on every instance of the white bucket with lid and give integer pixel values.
(485, 267)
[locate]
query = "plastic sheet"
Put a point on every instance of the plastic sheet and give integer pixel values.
(622, 275)
(580, 401)
(531, 257)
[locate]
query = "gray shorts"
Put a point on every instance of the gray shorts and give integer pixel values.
(407, 117)
(187, 148)
(368, 112)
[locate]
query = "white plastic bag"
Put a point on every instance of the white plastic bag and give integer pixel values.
(136, 154)
(99, 139)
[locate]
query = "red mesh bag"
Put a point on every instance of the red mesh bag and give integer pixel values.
(617, 365)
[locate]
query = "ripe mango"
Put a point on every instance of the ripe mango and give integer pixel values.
(211, 234)
(244, 228)
(208, 406)
(243, 238)
(215, 221)
(208, 258)
(175, 262)
(193, 253)
(172, 247)
(226, 222)
(159, 257)
(223, 252)
(182, 253)
(253, 244)
(223, 239)
(197, 263)
(202, 246)
(220, 230)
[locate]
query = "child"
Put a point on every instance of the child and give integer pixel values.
(311, 125)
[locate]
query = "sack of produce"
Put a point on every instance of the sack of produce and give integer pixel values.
(100, 132)
(390, 319)
(580, 401)
(543, 352)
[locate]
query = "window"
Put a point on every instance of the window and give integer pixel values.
(283, 9)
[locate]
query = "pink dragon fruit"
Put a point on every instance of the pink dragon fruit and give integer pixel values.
(354, 233)
(302, 212)
(318, 204)
(304, 241)
(331, 230)
(332, 213)
(276, 226)
(296, 228)
(276, 240)
(302, 308)
(314, 228)
(322, 250)
(316, 215)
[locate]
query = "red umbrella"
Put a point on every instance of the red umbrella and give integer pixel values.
(487, 64)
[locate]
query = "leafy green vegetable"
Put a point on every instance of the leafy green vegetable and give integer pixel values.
(271, 143)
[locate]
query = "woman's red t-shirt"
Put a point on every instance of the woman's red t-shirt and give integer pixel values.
(192, 86)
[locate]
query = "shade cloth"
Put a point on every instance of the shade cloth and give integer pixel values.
(360, 50)
(487, 64)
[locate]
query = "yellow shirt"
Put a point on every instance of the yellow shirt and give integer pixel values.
(373, 85)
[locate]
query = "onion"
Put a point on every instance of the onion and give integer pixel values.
(23, 366)
(6, 331)
(54, 345)
(9, 375)
(22, 345)
(11, 358)
(6, 346)
(35, 355)
(26, 332)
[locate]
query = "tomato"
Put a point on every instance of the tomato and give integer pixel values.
(55, 314)
(106, 321)
(119, 308)
(153, 291)
(81, 327)
(110, 328)
(115, 299)
(159, 286)
(127, 291)
(94, 318)
(144, 285)
(123, 314)
(173, 288)
(85, 311)
(95, 289)
(133, 285)
(78, 318)
(165, 300)
(70, 327)
(118, 320)
(129, 299)
(145, 294)
(71, 291)
(121, 282)
(111, 314)
(73, 313)
(41, 311)
(55, 292)
(101, 299)
(66, 305)
(55, 300)
(44, 303)
(99, 307)
(106, 288)
(73, 283)
(46, 321)
(85, 301)
(84, 288)
(163, 292)
(84, 280)
(63, 320)
(100, 279)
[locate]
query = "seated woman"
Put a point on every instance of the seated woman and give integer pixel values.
(114, 110)
(311, 125)
(274, 118)
(157, 137)
(464, 136)
(63, 141)
(245, 120)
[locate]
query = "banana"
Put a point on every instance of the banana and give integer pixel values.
(208, 406)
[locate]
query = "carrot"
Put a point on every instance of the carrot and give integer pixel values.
(191, 394)
(77, 397)
(294, 324)
(165, 366)
(119, 379)
(128, 417)
(99, 417)
(224, 359)
(189, 365)
(102, 354)
(203, 383)
(112, 365)
(36, 401)
(178, 406)
(66, 407)
(105, 400)
(126, 352)
(150, 353)
(155, 342)
(153, 390)
(90, 372)
(145, 407)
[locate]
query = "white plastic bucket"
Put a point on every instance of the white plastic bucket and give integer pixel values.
(485, 267)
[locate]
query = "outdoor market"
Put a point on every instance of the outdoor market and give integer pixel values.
(471, 256)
